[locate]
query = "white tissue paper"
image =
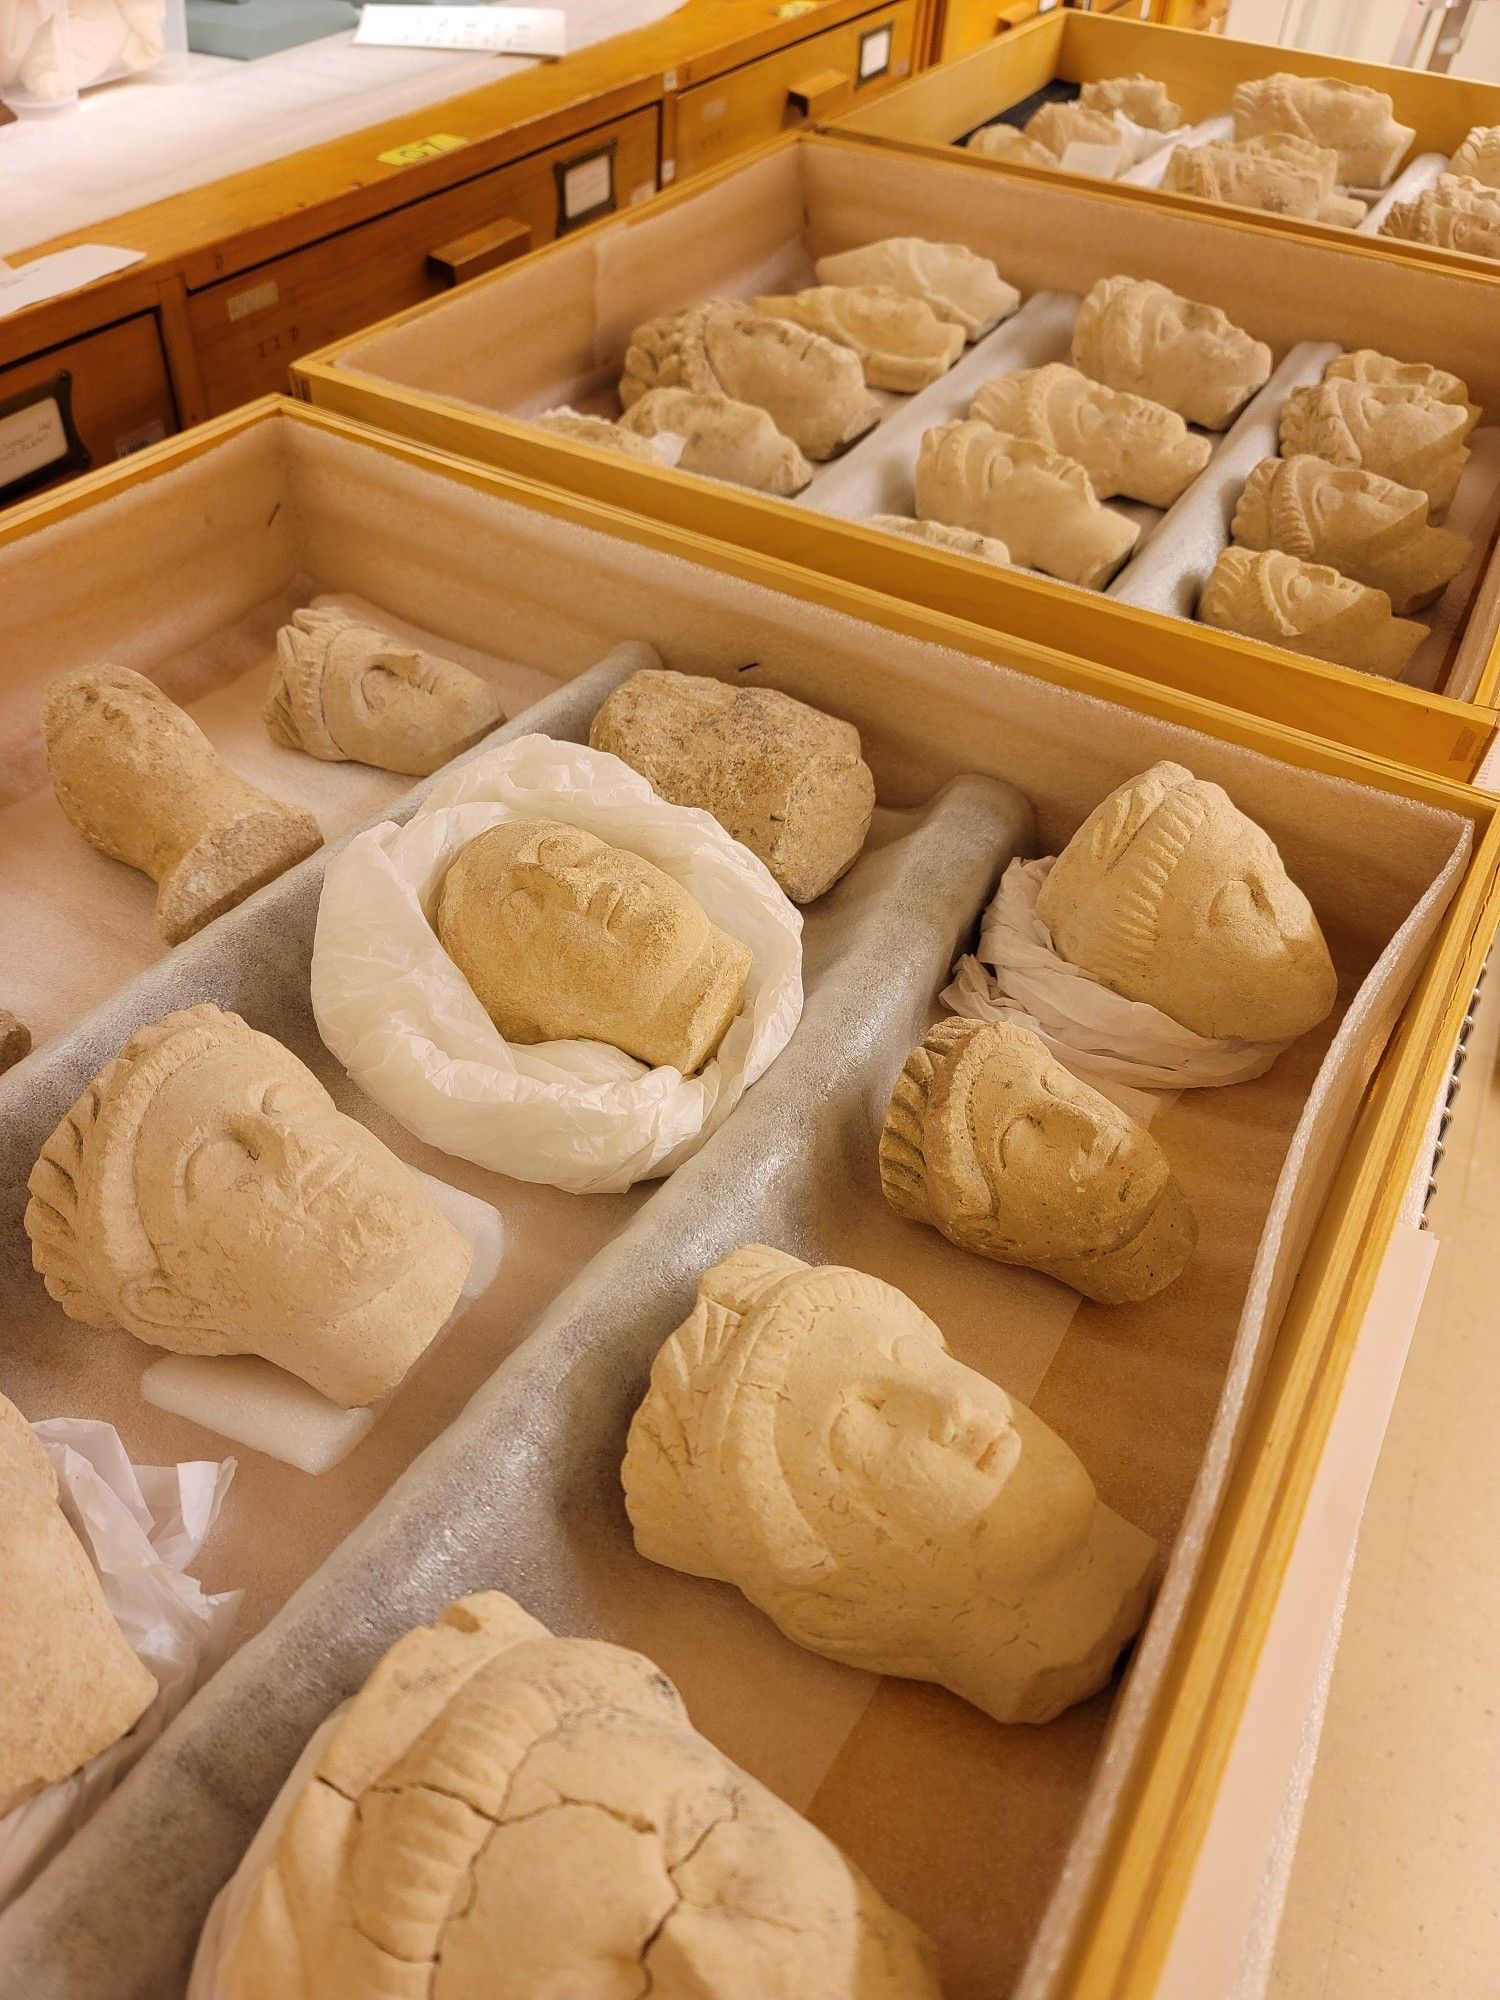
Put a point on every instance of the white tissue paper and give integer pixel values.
(140, 1525)
(1018, 975)
(401, 1017)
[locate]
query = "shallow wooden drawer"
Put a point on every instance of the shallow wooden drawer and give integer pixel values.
(969, 24)
(818, 78)
(83, 404)
(249, 329)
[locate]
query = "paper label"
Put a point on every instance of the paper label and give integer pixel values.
(587, 187)
(240, 305)
(139, 440)
(61, 271)
(31, 440)
(874, 53)
(514, 31)
(1103, 162)
(416, 150)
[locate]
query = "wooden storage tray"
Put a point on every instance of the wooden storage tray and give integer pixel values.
(553, 329)
(940, 108)
(278, 505)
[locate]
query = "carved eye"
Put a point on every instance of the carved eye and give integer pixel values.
(1242, 902)
(1018, 1140)
(217, 1162)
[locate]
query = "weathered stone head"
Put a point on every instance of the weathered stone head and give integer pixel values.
(1406, 433)
(345, 692)
(206, 1195)
(564, 938)
(501, 1814)
(1169, 894)
(1126, 444)
(1358, 122)
(993, 1142)
(808, 1437)
(1308, 608)
(1134, 334)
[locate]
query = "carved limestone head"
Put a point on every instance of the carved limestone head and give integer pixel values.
(1169, 894)
(501, 1814)
(1478, 158)
(1367, 364)
(1358, 122)
(1135, 334)
(1126, 444)
(206, 1195)
(1143, 100)
(1407, 433)
(808, 1437)
(346, 693)
(1308, 608)
(72, 1684)
(993, 1142)
(564, 938)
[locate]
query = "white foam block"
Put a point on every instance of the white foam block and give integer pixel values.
(253, 1403)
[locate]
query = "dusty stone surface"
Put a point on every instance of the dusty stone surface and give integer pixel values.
(901, 342)
(1126, 444)
(786, 780)
(1168, 893)
(1357, 122)
(808, 1437)
(142, 783)
(721, 439)
(1389, 427)
(1143, 99)
(502, 1814)
(959, 541)
(1308, 608)
(205, 1195)
(1134, 334)
(565, 938)
(955, 281)
(990, 1140)
(1035, 500)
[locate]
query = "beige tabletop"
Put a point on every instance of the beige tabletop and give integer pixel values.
(1395, 1889)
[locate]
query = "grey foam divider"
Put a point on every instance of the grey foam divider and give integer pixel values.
(254, 960)
(1172, 568)
(522, 1492)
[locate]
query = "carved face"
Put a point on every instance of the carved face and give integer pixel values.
(207, 1196)
(393, 703)
(1300, 596)
(1196, 335)
(563, 936)
(890, 1447)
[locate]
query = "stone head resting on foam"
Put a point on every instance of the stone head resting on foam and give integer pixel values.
(1136, 335)
(808, 1437)
(1392, 427)
(565, 938)
(501, 1814)
(785, 780)
(142, 783)
(345, 692)
(990, 1140)
(955, 281)
(1142, 99)
(1124, 443)
(72, 1685)
(902, 344)
(206, 1195)
(812, 388)
(1169, 894)
(1358, 122)
(1308, 608)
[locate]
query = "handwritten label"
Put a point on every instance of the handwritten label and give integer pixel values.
(506, 31)
(30, 440)
(417, 150)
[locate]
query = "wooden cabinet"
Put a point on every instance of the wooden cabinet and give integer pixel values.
(82, 404)
(247, 330)
(813, 79)
(967, 25)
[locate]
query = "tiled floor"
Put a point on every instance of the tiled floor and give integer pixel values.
(1395, 1890)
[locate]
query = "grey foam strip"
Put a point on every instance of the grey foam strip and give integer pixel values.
(521, 1492)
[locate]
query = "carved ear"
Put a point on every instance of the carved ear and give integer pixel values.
(148, 1304)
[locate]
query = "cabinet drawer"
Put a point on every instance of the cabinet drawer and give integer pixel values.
(83, 404)
(247, 330)
(814, 79)
(969, 24)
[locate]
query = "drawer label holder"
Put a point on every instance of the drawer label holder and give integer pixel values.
(585, 187)
(39, 440)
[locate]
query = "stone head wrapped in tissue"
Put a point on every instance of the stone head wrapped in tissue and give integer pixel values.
(206, 1195)
(785, 780)
(345, 692)
(72, 1685)
(808, 1437)
(565, 938)
(993, 1142)
(501, 1814)
(812, 388)
(1169, 894)
(1359, 123)
(955, 281)
(1134, 334)
(1309, 608)
(142, 783)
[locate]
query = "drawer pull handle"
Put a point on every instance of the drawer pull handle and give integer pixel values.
(820, 95)
(480, 251)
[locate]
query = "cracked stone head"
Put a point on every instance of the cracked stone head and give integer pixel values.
(992, 1141)
(205, 1194)
(501, 1814)
(808, 1437)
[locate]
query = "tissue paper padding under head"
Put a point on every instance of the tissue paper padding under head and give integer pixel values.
(565, 938)
(1169, 894)
(502, 1814)
(71, 1686)
(784, 779)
